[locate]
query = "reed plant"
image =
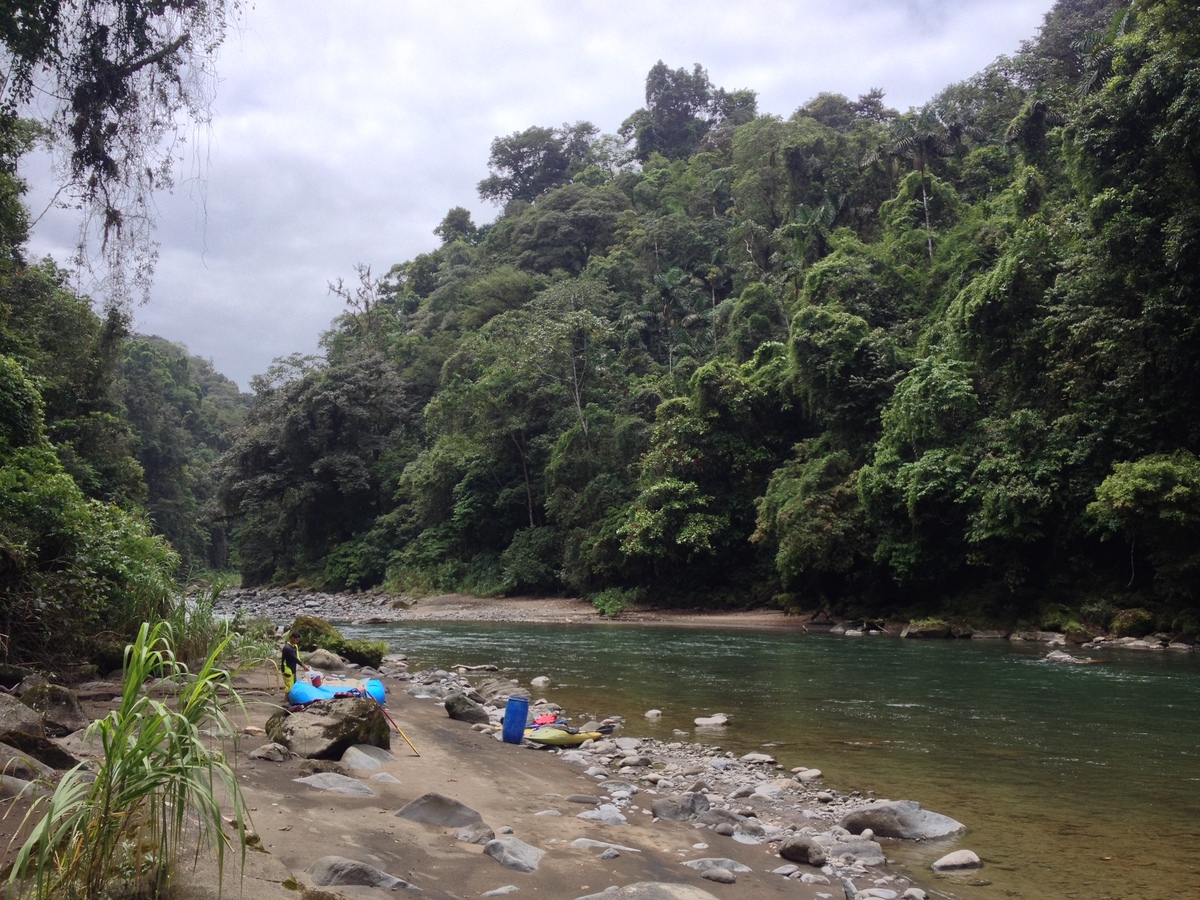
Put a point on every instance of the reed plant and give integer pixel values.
(122, 833)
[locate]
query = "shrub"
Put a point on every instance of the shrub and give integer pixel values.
(611, 602)
(1132, 623)
(315, 632)
(122, 831)
(362, 652)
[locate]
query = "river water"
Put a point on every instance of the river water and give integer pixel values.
(1075, 781)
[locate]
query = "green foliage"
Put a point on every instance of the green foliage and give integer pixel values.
(611, 602)
(361, 652)
(1132, 623)
(314, 632)
(122, 828)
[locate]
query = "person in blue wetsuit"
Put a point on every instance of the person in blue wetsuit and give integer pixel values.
(291, 664)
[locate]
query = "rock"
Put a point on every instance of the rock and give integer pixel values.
(98, 691)
(720, 720)
(29, 682)
(337, 870)
(385, 778)
(502, 891)
(606, 814)
(863, 852)
(934, 629)
(716, 862)
(16, 716)
(20, 765)
(1062, 656)
(806, 776)
(653, 714)
(514, 854)
(589, 844)
(652, 890)
(327, 728)
(628, 744)
(542, 681)
(337, 784)
(463, 709)
(802, 849)
(434, 809)
(959, 859)
(43, 749)
(679, 807)
(914, 893)
(757, 758)
(719, 875)
(366, 758)
(271, 752)
(475, 833)
(326, 660)
(317, 766)
(903, 819)
(12, 788)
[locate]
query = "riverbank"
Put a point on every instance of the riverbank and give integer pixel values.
(591, 818)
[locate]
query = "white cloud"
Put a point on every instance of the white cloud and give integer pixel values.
(343, 133)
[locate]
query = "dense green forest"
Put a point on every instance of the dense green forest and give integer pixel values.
(938, 362)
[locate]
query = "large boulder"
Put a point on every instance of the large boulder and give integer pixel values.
(15, 716)
(328, 728)
(315, 632)
(59, 708)
(20, 765)
(462, 708)
(902, 819)
(514, 854)
(42, 749)
(325, 660)
(802, 849)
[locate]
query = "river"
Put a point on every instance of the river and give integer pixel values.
(1075, 781)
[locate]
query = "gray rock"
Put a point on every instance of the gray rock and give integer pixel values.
(863, 852)
(502, 891)
(678, 808)
(903, 819)
(434, 809)
(16, 716)
(514, 854)
(336, 784)
(716, 862)
(652, 890)
(463, 709)
(271, 752)
(328, 728)
(11, 787)
(385, 778)
(326, 660)
(20, 765)
(589, 844)
(475, 833)
(803, 849)
(329, 871)
(959, 859)
(719, 875)
(605, 814)
(49, 752)
(366, 758)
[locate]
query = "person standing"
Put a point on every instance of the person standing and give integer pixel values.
(291, 665)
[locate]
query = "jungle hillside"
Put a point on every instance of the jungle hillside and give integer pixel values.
(934, 362)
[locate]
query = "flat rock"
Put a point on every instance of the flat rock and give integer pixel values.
(514, 854)
(20, 765)
(16, 716)
(589, 844)
(385, 777)
(329, 871)
(366, 758)
(336, 784)
(717, 862)
(435, 809)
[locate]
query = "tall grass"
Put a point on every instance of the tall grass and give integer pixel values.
(122, 833)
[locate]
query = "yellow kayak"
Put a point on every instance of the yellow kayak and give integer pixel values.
(559, 737)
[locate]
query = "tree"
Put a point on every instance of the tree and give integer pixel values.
(527, 164)
(117, 74)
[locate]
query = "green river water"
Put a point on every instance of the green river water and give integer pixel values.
(1074, 781)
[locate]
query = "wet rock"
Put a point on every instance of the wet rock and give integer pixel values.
(903, 819)
(720, 720)
(652, 890)
(606, 814)
(959, 859)
(716, 862)
(17, 717)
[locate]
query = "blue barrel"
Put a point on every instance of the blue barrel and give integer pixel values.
(516, 712)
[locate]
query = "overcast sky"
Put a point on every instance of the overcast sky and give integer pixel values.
(343, 133)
